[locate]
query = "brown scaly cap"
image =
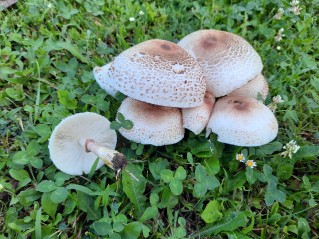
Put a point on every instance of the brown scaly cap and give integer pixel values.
(159, 72)
(195, 119)
(256, 86)
(152, 124)
(228, 61)
(242, 121)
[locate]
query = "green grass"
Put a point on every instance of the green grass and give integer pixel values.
(192, 189)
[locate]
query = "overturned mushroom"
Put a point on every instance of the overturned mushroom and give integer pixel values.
(253, 88)
(195, 119)
(78, 140)
(242, 121)
(152, 124)
(156, 71)
(228, 61)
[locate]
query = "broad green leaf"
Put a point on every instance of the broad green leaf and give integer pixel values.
(230, 222)
(307, 152)
(64, 98)
(132, 230)
(115, 125)
(21, 158)
(19, 174)
(157, 167)
(268, 149)
(33, 148)
(37, 224)
(211, 182)
(48, 206)
(134, 189)
(211, 165)
(251, 176)
(180, 173)
(59, 195)
(200, 190)
(167, 175)
(46, 186)
(212, 212)
(86, 204)
(284, 171)
(102, 228)
(200, 173)
(176, 186)
(149, 213)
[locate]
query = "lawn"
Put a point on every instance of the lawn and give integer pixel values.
(193, 189)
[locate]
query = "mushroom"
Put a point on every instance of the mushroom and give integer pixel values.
(152, 124)
(242, 121)
(256, 86)
(78, 140)
(156, 71)
(102, 76)
(228, 61)
(195, 119)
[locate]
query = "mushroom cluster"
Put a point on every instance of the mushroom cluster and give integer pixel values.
(172, 87)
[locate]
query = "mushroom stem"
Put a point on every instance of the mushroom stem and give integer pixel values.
(110, 157)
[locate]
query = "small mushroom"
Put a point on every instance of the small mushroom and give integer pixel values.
(256, 86)
(157, 71)
(228, 61)
(152, 124)
(242, 121)
(78, 140)
(102, 76)
(195, 119)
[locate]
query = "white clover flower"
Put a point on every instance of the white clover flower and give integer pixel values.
(279, 14)
(241, 158)
(278, 48)
(141, 13)
(251, 163)
(277, 99)
(279, 35)
(132, 19)
(296, 10)
(290, 148)
(294, 3)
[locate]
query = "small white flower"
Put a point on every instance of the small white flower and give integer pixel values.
(132, 19)
(294, 3)
(296, 10)
(279, 14)
(279, 35)
(277, 99)
(50, 5)
(278, 48)
(141, 13)
(241, 158)
(1, 187)
(290, 148)
(251, 163)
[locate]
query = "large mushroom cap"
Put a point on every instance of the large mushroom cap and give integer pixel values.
(228, 61)
(195, 119)
(159, 72)
(152, 124)
(242, 121)
(102, 76)
(65, 143)
(256, 86)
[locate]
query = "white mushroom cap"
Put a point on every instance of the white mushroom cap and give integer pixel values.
(195, 119)
(256, 86)
(159, 72)
(152, 124)
(242, 121)
(66, 142)
(102, 76)
(228, 61)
